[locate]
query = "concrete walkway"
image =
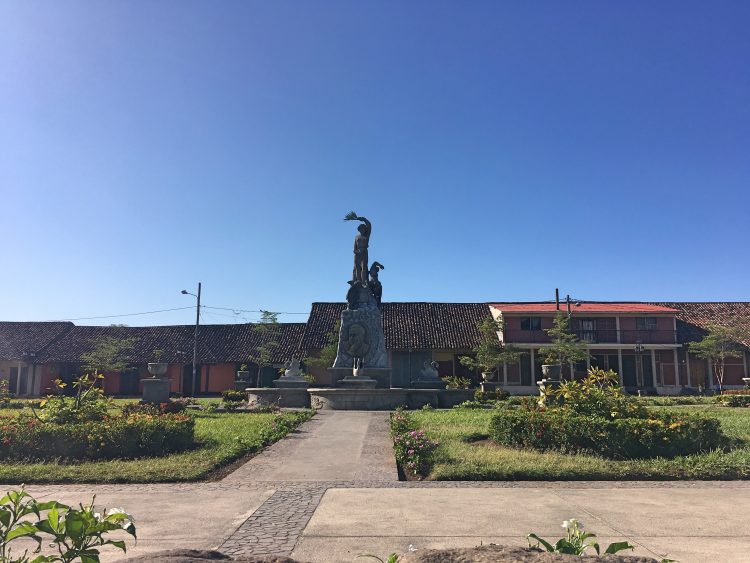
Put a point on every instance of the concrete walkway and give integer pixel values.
(332, 446)
(329, 492)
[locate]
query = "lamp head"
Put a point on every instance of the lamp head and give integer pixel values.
(184, 292)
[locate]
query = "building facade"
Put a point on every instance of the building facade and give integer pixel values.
(645, 343)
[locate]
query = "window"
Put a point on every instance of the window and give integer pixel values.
(645, 323)
(531, 323)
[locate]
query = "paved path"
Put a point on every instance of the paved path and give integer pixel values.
(330, 492)
(332, 446)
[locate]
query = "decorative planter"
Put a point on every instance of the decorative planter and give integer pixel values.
(243, 376)
(157, 369)
(552, 371)
(487, 375)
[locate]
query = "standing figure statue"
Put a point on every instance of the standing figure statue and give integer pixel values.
(375, 286)
(361, 244)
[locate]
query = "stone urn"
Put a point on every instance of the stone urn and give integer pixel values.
(552, 371)
(157, 369)
(487, 375)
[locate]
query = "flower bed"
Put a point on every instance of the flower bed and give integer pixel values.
(412, 448)
(136, 435)
(656, 435)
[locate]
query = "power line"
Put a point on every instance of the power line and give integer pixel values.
(237, 310)
(125, 314)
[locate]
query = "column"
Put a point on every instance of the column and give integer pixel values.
(619, 363)
(676, 368)
(653, 367)
(533, 370)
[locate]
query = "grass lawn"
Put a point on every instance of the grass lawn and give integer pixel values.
(461, 457)
(223, 438)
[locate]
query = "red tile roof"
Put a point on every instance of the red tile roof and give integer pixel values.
(693, 318)
(583, 308)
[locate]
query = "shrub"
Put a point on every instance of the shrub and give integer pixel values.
(656, 435)
(456, 382)
(599, 394)
(233, 396)
(130, 436)
(174, 406)
(734, 400)
(412, 448)
(736, 392)
(496, 395)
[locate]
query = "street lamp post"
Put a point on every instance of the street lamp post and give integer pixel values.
(195, 337)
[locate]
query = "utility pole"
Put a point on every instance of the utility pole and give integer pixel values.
(557, 299)
(567, 300)
(196, 383)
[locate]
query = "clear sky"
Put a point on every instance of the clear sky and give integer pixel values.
(501, 149)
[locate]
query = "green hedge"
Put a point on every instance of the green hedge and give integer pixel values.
(137, 435)
(734, 400)
(659, 435)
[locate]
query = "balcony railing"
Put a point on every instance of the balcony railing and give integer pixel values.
(605, 336)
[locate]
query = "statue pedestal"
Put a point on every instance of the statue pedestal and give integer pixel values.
(358, 382)
(428, 384)
(382, 376)
(156, 390)
(291, 382)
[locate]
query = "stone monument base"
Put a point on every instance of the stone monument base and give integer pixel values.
(156, 390)
(381, 375)
(357, 399)
(449, 398)
(417, 398)
(294, 397)
(428, 384)
(357, 382)
(291, 382)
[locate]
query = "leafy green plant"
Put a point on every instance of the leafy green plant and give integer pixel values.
(491, 352)
(456, 382)
(565, 348)
(158, 355)
(75, 533)
(576, 541)
(88, 403)
(599, 394)
(392, 558)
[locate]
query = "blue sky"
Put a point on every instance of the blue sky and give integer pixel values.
(501, 149)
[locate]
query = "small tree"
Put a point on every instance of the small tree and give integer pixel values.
(565, 347)
(720, 344)
(491, 352)
(328, 353)
(109, 354)
(268, 330)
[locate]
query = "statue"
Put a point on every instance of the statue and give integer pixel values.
(361, 244)
(292, 368)
(361, 343)
(375, 286)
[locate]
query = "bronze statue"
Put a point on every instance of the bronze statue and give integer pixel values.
(361, 244)
(375, 286)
